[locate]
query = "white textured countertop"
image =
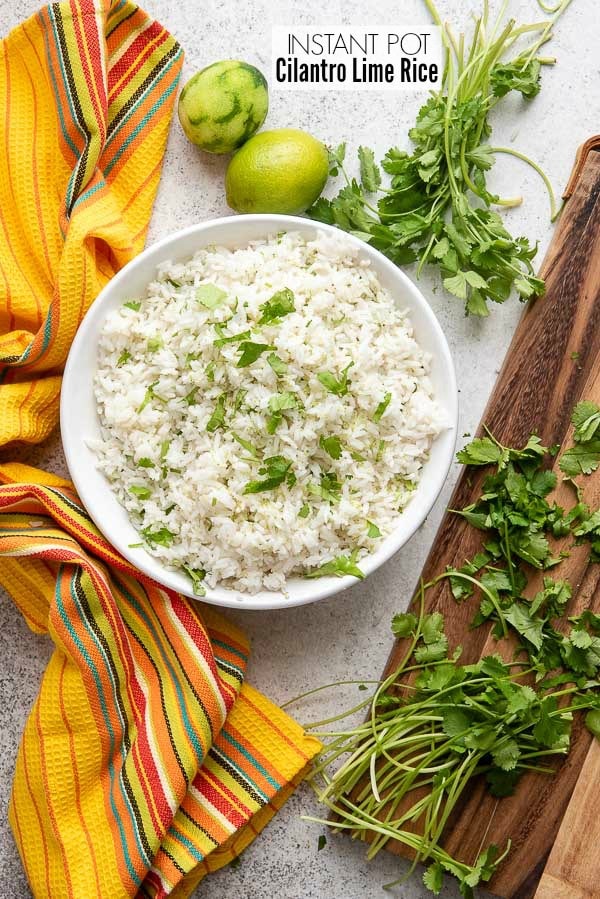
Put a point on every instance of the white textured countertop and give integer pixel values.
(348, 636)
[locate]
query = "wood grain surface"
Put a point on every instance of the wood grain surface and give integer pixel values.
(538, 386)
(572, 870)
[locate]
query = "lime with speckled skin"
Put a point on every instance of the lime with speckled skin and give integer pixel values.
(221, 106)
(282, 171)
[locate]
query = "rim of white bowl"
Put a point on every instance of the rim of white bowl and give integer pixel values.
(75, 448)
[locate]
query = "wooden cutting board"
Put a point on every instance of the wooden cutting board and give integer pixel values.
(552, 363)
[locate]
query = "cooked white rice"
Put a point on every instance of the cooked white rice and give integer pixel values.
(161, 377)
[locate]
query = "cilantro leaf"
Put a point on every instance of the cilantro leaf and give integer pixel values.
(432, 627)
(370, 175)
(549, 730)
(484, 867)
(341, 566)
(280, 304)
(239, 399)
(160, 537)
(336, 385)
(592, 722)
(141, 492)
(480, 451)
(277, 405)
(527, 626)
(217, 418)
(456, 722)
(190, 398)
(250, 351)
(136, 305)
(583, 458)
(506, 755)
(282, 402)
(277, 470)
(331, 445)
(433, 878)
(329, 488)
(336, 158)
(404, 624)
(433, 652)
(515, 76)
(482, 157)
(196, 576)
(457, 285)
(590, 526)
(148, 397)
(586, 420)
(210, 296)
(377, 415)
(277, 364)
(520, 699)
(372, 530)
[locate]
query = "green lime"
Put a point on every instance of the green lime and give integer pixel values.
(221, 106)
(277, 171)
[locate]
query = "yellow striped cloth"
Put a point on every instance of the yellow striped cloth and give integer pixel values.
(86, 93)
(146, 761)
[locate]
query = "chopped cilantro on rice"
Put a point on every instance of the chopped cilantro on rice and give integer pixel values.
(267, 408)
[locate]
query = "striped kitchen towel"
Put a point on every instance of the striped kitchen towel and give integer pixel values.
(146, 762)
(86, 95)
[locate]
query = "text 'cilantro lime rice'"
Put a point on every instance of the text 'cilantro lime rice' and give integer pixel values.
(265, 412)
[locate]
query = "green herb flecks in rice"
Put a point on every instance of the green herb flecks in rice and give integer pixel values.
(276, 405)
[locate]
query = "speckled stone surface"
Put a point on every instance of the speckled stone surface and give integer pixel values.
(347, 636)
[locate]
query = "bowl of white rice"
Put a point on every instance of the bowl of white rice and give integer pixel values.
(259, 411)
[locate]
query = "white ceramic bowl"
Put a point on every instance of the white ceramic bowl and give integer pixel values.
(80, 422)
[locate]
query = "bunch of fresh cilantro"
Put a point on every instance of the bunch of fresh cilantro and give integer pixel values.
(435, 724)
(437, 207)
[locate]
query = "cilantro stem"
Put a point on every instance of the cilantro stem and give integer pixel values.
(509, 151)
(511, 569)
(455, 573)
(338, 683)
(434, 13)
(346, 714)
